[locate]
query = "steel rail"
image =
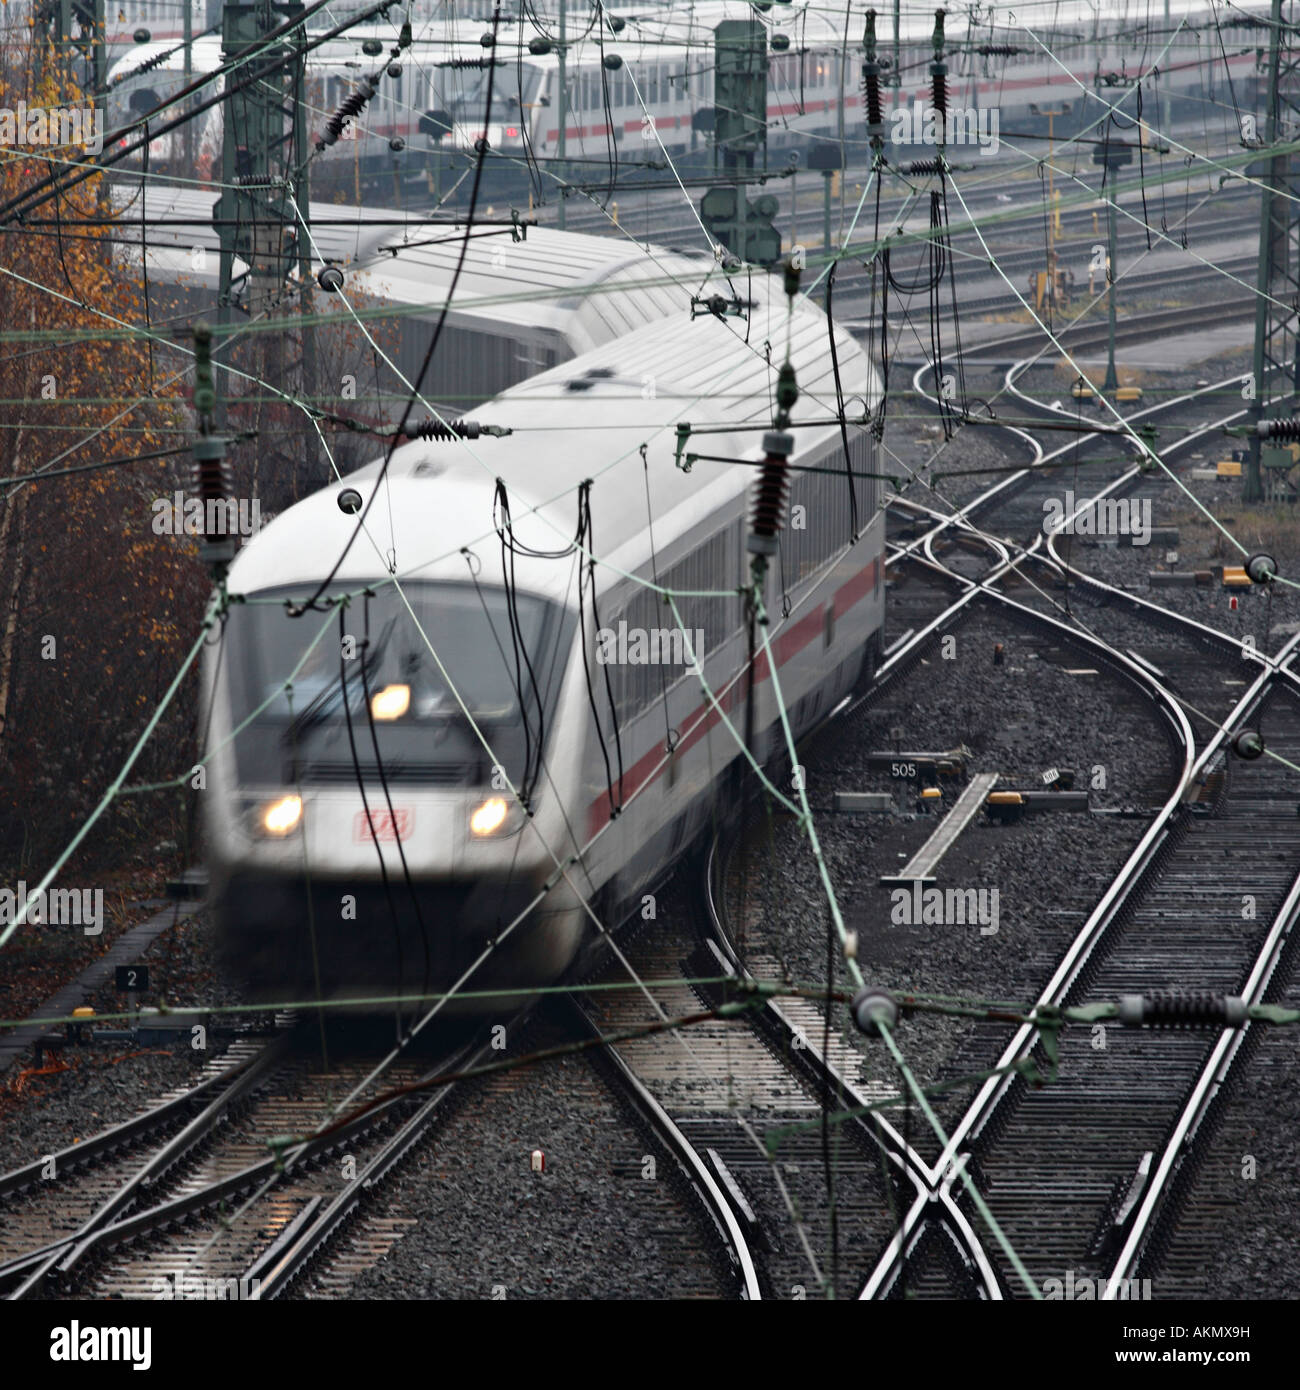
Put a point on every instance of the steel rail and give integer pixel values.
(926, 1180)
(1042, 460)
(909, 1232)
(60, 1258)
(109, 1141)
(1026, 1036)
(662, 1124)
(271, 1273)
(1217, 1070)
(59, 1255)
(1095, 928)
(1213, 1076)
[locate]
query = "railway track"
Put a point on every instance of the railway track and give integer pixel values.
(705, 1086)
(748, 1065)
(731, 1086)
(710, 1182)
(728, 1089)
(246, 1187)
(89, 1185)
(1139, 936)
(907, 1259)
(699, 1244)
(1008, 516)
(125, 1227)
(746, 1070)
(661, 215)
(1019, 251)
(279, 1206)
(964, 1270)
(1082, 337)
(1250, 808)
(1064, 1168)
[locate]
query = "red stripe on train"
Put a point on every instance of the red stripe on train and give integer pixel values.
(788, 645)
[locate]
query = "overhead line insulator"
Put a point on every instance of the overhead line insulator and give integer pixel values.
(454, 429)
(774, 471)
(1286, 430)
(769, 501)
(353, 105)
(1177, 1008)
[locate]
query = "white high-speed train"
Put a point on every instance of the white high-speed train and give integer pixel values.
(519, 307)
(540, 757)
(661, 89)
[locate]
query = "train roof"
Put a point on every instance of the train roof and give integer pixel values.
(190, 210)
(585, 419)
(587, 288)
(342, 234)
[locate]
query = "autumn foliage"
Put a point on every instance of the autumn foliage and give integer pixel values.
(96, 610)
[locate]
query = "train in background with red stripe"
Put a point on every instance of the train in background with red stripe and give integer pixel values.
(639, 84)
(646, 77)
(453, 721)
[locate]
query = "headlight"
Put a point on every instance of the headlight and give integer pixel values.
(497, 818)
(392, 702)
(490, 817)
(280, 817)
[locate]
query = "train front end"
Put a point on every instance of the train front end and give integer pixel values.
(362, 834)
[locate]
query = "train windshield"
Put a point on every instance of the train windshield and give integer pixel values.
(136, 95)
(423, 682)
(463, 90)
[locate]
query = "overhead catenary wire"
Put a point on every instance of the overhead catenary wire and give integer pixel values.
(432, 348)
(840, 406)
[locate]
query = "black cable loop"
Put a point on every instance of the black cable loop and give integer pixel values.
(936, 272)
(611, 144)
(1142, 172)
(952, 290)
(839, 405)
(589, 534)
(491, 627)
(654, 574)
(397, 830)
(516, 642)
(780, 563)
(505, 529)
(879, 427)
(365, 804)
(880, 263)
(530, 159)
(587, 576)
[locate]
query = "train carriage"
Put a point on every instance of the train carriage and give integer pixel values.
(514, 774)
(520, 307)
(660, 87)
